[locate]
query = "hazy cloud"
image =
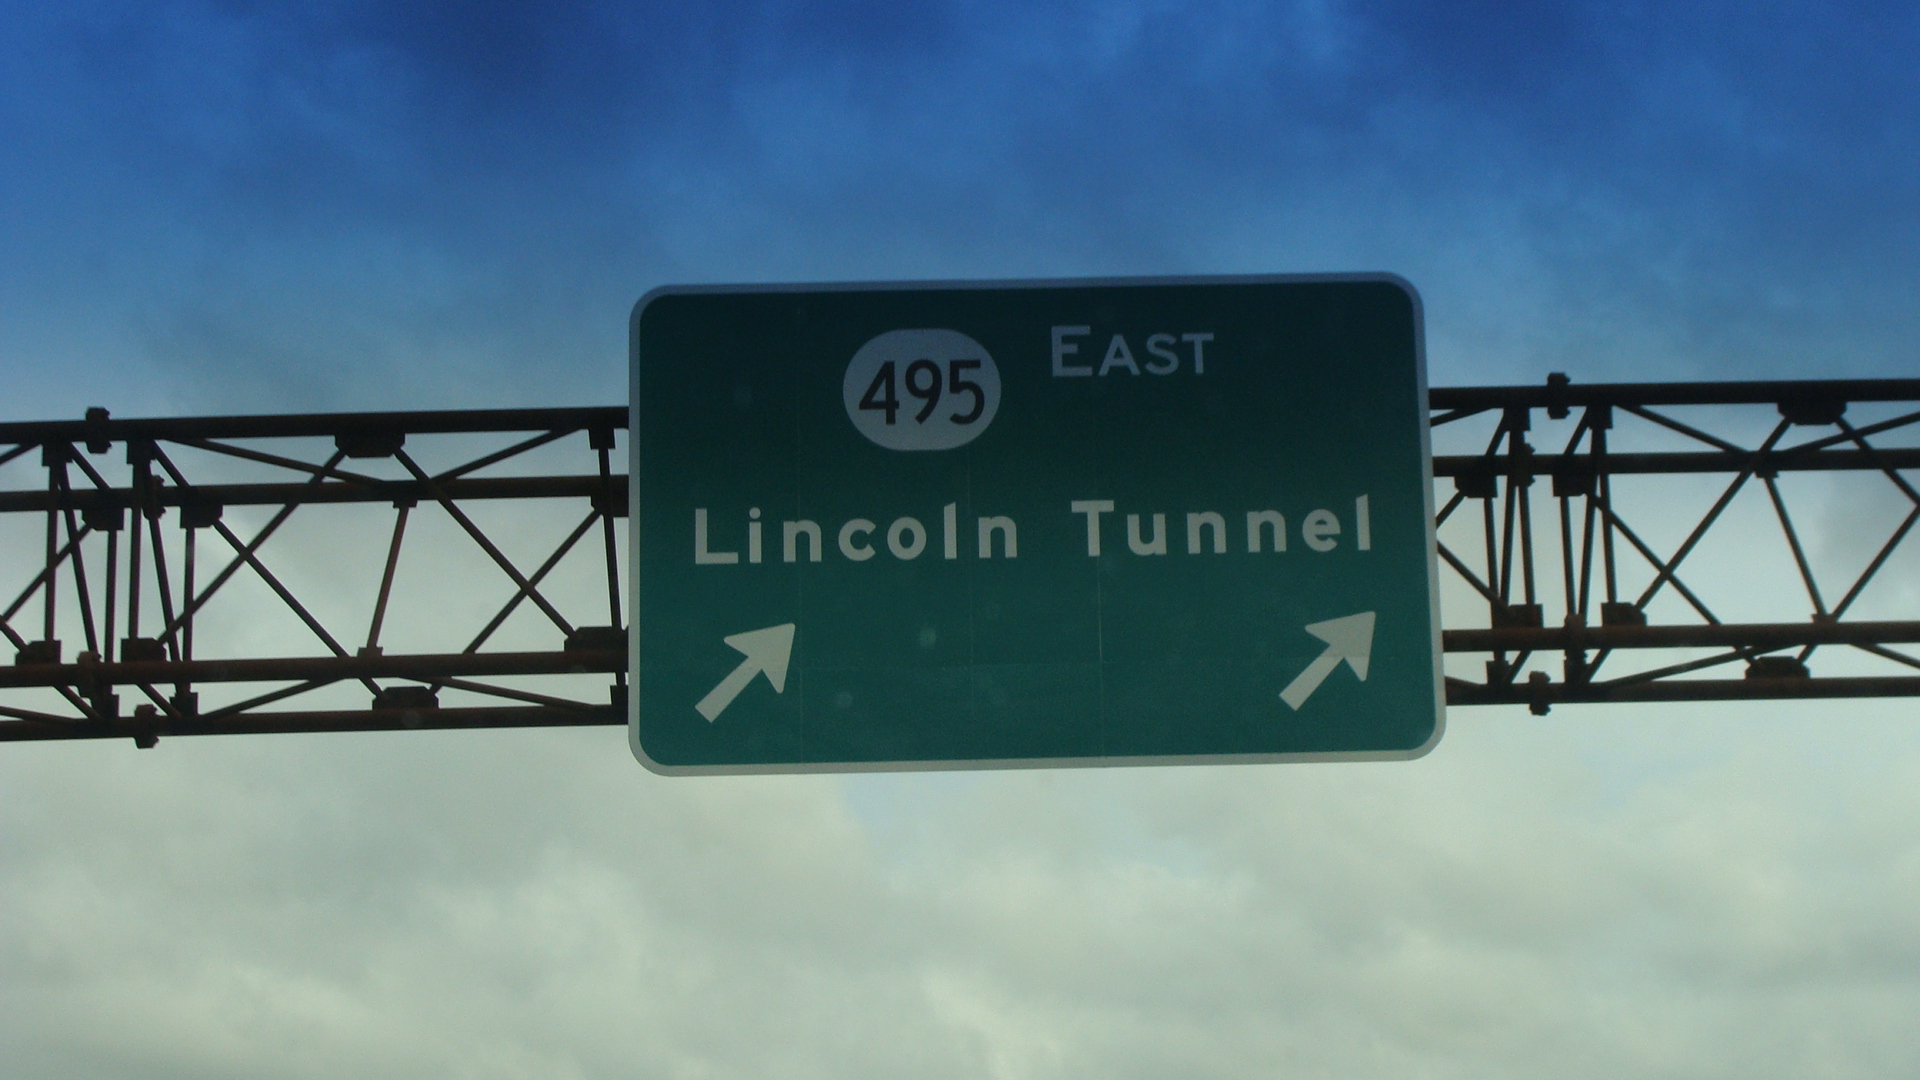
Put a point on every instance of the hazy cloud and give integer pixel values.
(238, 207)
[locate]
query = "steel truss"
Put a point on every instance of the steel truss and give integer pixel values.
(1607, 593)
(1632, 597)
(122, 603)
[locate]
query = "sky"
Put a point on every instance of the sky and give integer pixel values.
(215, 208)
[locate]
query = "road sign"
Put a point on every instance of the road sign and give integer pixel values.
(1032, 523)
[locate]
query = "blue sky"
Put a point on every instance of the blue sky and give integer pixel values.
(212, 208)
(259, 207)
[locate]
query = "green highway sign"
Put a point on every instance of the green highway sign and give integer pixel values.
(1031, 523)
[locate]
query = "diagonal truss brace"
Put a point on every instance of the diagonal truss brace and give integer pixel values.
(1573, 605)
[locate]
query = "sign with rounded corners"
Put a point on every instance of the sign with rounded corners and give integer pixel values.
(1031, 523)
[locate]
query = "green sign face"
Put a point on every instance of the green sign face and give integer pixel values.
(1015, 524)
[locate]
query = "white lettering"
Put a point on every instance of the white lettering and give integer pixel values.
(905, 549)
(1199, 359)
(909, 537)
(1156, 546)
(1276, 525)
(855, 551)
(1118, 355)
(1319, 530)
(1362, 524)
(1161, 345)
(791, 531)
(1093, 508)
(1062, 350)
(702, 556)
(1211, 520)
(1009, 537)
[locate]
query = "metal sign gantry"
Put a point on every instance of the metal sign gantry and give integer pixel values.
(121, 604)
(1598, 543)
(1624, 611)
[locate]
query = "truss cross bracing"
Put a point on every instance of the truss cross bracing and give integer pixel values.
(312, 573)
(1603, 543)
(1677, 542)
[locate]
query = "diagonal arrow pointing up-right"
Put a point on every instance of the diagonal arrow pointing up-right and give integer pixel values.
(1349, 638)
(768, 652)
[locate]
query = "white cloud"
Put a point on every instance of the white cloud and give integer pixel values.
(1610, 892)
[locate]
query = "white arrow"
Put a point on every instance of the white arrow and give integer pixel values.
(767, 651)
(1349, 638)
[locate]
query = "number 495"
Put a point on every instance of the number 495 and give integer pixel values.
(924, 382)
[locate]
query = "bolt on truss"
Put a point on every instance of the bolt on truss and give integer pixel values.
(1684, 530)
(313, 573)
(463, 569)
